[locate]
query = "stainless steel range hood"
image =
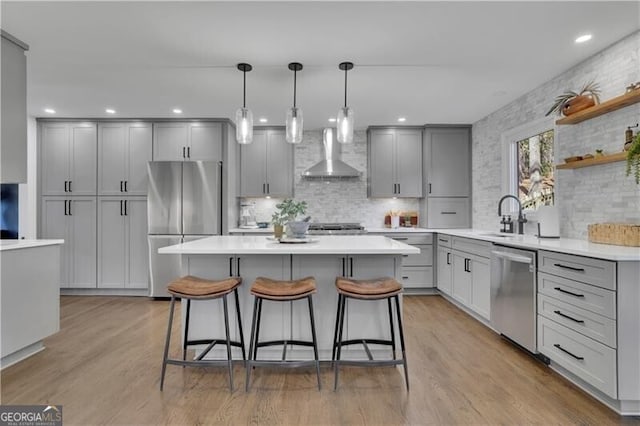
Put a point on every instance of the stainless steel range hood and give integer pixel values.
(331, 166)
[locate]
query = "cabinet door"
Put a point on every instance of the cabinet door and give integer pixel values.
(112, 158)
(409, 163)
(444, 273)
(83, 164)
(279, 165)
(137, 248)
(481, 286)
(382, 181)
(253, 166)
(139, 153)
(55, 225)
(83, 241)
(448, 212)
(449, 162)
(461, 284)
(111, 243)
(205, 142)
(170, 141)
(55, 158)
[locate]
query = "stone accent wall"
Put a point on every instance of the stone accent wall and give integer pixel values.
(588, 195)
(335, 200)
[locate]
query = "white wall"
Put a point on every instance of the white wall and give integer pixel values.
(588, 195)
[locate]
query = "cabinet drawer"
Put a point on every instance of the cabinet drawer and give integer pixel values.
(443, 240)
(591, 271)
(585, 322)
(469, 245)
(584, 296)
(411, 238)
(448, 213)
(424, 258)
(417, 276)
(593, 362)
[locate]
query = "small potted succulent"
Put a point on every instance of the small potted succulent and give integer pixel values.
(633, 158)
(286, 213)
(571, 102)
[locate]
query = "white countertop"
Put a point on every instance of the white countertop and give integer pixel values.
(562, 245)
(398, 230)
(22, 244)
(251, 230)
(254, 244)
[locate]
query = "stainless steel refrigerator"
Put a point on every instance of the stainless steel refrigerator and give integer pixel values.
(184, 203)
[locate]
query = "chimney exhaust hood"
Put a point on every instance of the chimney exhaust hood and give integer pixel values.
(331, 166)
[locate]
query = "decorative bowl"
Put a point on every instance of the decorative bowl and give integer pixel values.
(297, 229)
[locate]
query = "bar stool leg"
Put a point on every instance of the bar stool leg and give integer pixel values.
(335, 332)
(244, 355)
(185, 339)
(226, 330)
(393, 333)
(404, 355)
(252, 340)
(339, 350)
(315, 342)
(166, 343)
(255, 346)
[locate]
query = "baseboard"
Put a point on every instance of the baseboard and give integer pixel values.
(21, 354)
(104, 292)
(432, 291)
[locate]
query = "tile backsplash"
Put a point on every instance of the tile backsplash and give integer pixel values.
(335, 200)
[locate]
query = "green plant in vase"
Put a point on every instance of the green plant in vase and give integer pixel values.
(571, 102)
(286, 211)
(633, 158)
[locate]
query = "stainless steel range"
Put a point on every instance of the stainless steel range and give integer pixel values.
(317, 228)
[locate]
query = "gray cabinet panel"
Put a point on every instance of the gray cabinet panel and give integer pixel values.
(111, 243)
(83, 240)
(381, 164)
(448, 212)
(279, 165)
(137, 248)
(448, 159)
(409, 163)
(169, 141)
(55, 158)
(205, 142)
(83, 159)
(180, 141)
(266, 165)
(253, 166)
(139, 153)
(56, 226)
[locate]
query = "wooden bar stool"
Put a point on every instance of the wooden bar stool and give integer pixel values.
(194, 288)
(281, 291)
(371, 289)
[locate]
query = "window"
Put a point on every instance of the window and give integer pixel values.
(535, 180)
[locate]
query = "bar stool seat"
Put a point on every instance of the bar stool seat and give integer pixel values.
(195, 288)
(368, 289)
(281, 291)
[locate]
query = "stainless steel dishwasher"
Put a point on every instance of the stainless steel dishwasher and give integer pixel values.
(513, 295)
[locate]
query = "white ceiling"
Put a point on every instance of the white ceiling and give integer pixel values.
(431, 62)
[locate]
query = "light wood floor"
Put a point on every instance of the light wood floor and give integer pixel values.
(104, 366)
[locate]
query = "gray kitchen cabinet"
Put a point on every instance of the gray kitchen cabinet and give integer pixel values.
(122, 242)
(471, 283)
(266, 165)
(74, 220)
(123, 152)
(187, 141)
(13, 133)
(446, 212)
(68, 158)
(417, 269)
(444, 259)
(395, 162)
(461, 283)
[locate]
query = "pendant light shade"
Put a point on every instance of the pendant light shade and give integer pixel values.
(344, 121)
(294, 114)
(244, 116)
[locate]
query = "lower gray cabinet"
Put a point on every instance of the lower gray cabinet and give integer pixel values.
(74, 220)
(122, 243)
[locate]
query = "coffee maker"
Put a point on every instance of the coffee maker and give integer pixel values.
(248, 215)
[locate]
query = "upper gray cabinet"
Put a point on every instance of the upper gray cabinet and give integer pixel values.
(266, 165)
(14, 111)
(123, 152)
(447, 161)
(68, 155)
(187, 141)
(395, 162)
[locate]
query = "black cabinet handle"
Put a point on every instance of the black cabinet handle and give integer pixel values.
(405, 255)
(125, 208)
(268, 190)
(429, 188)
(125, 186)
(405, 278)
(231, 266)
(351, 267)
(120, 186)
(70, 190)
(399, 238)
(65, 188)
(560, 265)
(65, 208)
(238, 269)
(188, 152)
(568, 317)
(448, 212)
(579, 358)
(344, 272)
(448, 258)
(184, 150)
(121, 208)
(264, 188)
(443, 240)
(399, 189)
(70, 213)
(561, 290)
(468, 265)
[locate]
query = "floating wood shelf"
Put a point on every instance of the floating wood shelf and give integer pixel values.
(620, 156)
(603, 108)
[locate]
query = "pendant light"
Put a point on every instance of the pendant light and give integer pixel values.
(294, 114)
(344, 121)
(244, 116)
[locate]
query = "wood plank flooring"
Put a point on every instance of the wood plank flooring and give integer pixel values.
(104, 366)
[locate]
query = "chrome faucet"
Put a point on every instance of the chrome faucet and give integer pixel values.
(522, 219)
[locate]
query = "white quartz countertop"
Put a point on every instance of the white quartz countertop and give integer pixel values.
(6, 245)
(251, 230)
(257, 244)
(561, 245)
(398, 230)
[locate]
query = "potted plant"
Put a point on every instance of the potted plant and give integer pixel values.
(571, 102)
(633, 158)
(286, 212)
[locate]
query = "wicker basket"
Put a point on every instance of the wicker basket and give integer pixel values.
(622, 234)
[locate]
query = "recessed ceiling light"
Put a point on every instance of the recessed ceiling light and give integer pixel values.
(332, 120)
(263, 120)
(583, 38)
(177, 111)
(402, 119)
(50, 110)
(110, 111)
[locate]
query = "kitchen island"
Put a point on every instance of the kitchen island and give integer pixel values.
(324, 257)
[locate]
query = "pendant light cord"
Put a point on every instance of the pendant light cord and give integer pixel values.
(345, 88)
(295, 73)
(244, 89)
